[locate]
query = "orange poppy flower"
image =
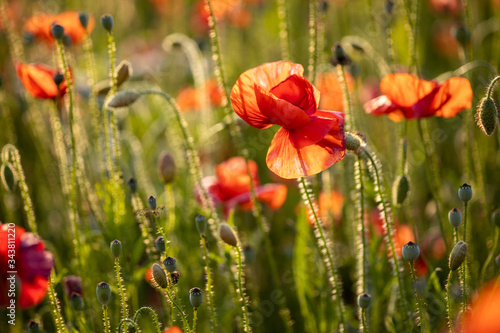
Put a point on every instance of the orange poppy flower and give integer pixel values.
(406, 96)
(331, 90)
(38, 80)
(309, 140)
(484, 316)
(328, 204)
(40, 26)
(231, 186)
(189, 97)
(173, 329)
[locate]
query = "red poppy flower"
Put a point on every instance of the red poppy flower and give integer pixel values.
(38, 80)
(231, 186)
(484, 316)
(40, 26)
(32, 263)
(309, 141)
(189, 97)
(406, 96)
(173, 329)
(73, 285)
(330, 89)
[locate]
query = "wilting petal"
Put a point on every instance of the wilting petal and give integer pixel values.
(38, 80)
(299, 92)
(33, 292)
(454, 95)
(232, 176)
(266, 76)
(405, 90)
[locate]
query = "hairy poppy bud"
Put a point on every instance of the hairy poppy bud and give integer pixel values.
(458, 255)
(9, 178)
(123, 98)
(170, 264)
(339, 56)
(462, 34)
(465, 192)
(57, 31)
(33, 327)
(166, 167)
(201, 224)
(160, 244)
(364, 300)
(83, 17)
(159, 275)
(175, 276)
(116, 248)
(152, 202)
(227, 234)
(122, 72)
(103, 292)
(455, 217)
(495, 218)
(196, 297)
(410, 251)
(107, 22)
(76, 301)
(487, 115)
(400, 189)
(58, 79)
(354, 142)
(132, 185)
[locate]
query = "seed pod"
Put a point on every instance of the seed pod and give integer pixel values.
(107, 22)
(160, 244)
(201, 224)
(458, 255)
(227, 234)
(170, 264)
(76, 301)
(495, 218)
(103, 292)
(339, 56)
(175, 276)
(132, 185)
(152, 202)
(487, 115)
(84, 19)
(166, 167)
(455, 217)
(364, 300)
(196, 297)
(116, 248)
(33, 327)
(465, 192)
(123, 98)
(159, 275)
(9, 177)
(57, 31)
(410, 251)
(400, 189)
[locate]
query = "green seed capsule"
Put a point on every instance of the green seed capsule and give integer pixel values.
(76, 301)
(33, 327)
(458, 255)
(465, 192)
(400, 189)
(364, 300)
(58, 79)
(487, 116)
(455, 217)
(196, 297)
(495, 218)
(201, 224)
(410, 251)
(227, 234)
(103, 292)
(159, 275)
(152, 202)
(170, 264)
(116, 248)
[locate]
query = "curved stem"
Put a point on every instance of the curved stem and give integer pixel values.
(127, 320)
(121, 288)
(153, 315)
(208, 271)
(241, 289)
(490, 257)
(491, 87)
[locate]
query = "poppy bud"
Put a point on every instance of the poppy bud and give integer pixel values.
(170, 264)
(175, 276)
(123, 98)
(122, 72)
(389, 7)
(400, 189)
(364, 300)
(201, 224)
(9, 178)
(159, 275)
(160, 244)
(73, 284)
(495, 217)
(465, 192)
(33, 327)
(339, 56)
(132, 185)
(107, 22)
(57, 31)
(166, 167)
(76, 301)
(462, 34)
(84, 19)
(497, 261)
(152, 202)
(227, 234)
(487, 115)
(116, 248)
(196, 297)
(58, 79)
(455, 217)
(410, 251)
(353, 142)
(103, 292)
(458, 255)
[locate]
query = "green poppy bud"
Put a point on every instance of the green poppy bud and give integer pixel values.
(364, 300)
(227, 234)
(354, 142)
(33, 327)
(455, 217)
(201, 224)
(465, 192)
(166, 167)
(103, 292)
(159, 275)
(339, 56)
(107, 22)
(160, 244)
(458, 255)
(410, 251)
(170, 264)
(487, 116)
(84, 19)
(152, 202)
(123, 98)
(116, 248)
(400, 189)
(196, 297)
(57, 31)
(76, 301)
(132, 185)
(58, 79)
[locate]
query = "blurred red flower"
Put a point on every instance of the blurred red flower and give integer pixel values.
(231, 186)
(189, 97)
(484, 316)
(446, 6)
(38, 80)
(173, 329)
(406, 96)
(40, 26)
(328, 203)
(32, 263)
(331, 90)
(232, 11)
(309, 141)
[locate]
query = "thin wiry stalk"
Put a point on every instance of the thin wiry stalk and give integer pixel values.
(92, 80)
(195, 317)
(105, 319)
(449, 308)
(345, 96)
(170, 202)
(465, 266)
(153, 315)
(324, 247)
(60, 149)
(313, 39)
(112, 77)
(147, 238)
(121, 288)
(170, 297)
(490, 257)
(54, 304)
(363, 321)
(208, 272)
(130, 321)
(284, 29)
(241, 290)
(424, 322)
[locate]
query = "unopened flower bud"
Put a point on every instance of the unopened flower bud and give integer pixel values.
(400, 189)
(458, 255)
(76, 301)
(455, 217)
(201, 224)
(196, 297)
(487, 115)
(160, 244)
(132, 185)
(170, 264)
(364, 300)
(33, 327)
(166, 167)
(122, 72)
(159, 275)
(152, 202)
(103, 292)
(123, 98)
(84, 19)
(107, 22)
(410, 251)
(495, 218)
(116, 248)
(58, 79)
(354, 142)
(339, 56)
(9, 178)
(57, 31)
(465, 192)
(175, 276)
(227, 234)
(462, 34)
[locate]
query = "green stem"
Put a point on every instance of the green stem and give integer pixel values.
(464, 267)
(170, 292)
(153, 315)
(358, 178)
(313, 39)
(448, 303)
(54, 304)
(424, 322)
(195, 316)
(490, 257)
(130, 321)
(92, 77)
(147, 238)
(170, 202)
(363, 320)
(241, 290)
(114, 127)
(121, 288)
(325, 252)
(346, 97)
(491, 87)
(208, 271)
(284, 30)
(105, 318)
(60, 149)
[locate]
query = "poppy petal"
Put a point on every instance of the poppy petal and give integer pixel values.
(38, 80)
(299, 92)
(405, 90)
(331, 90)
(321, 123)
(33, 292)
(273, 195)
(266, 76)
(379, 106)
(232, 176)
(454, 95)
